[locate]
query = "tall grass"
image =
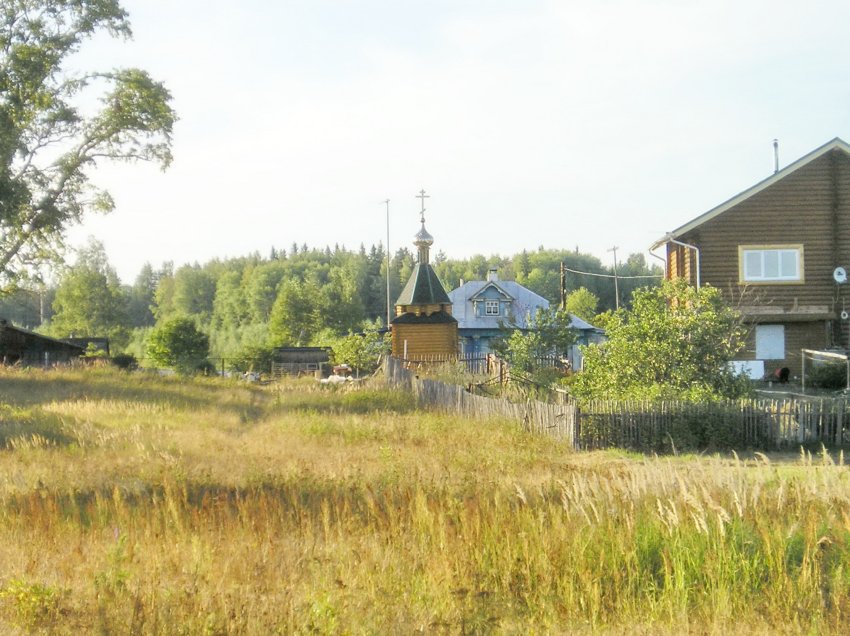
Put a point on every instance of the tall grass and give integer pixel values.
(138, 504)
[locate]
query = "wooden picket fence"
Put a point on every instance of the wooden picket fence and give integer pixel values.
(765, 424)
(535, 416)
(768, 424)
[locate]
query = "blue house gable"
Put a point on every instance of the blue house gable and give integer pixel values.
(492, 302)
(484, 307)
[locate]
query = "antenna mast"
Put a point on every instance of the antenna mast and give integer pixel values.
(389, 305)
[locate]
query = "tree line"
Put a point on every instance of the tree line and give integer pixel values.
(295, 296)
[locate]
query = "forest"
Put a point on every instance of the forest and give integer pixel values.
(294, 296)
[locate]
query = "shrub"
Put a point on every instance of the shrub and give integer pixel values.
(253, 357)
(830, 375)
(178, 344)
(125, 361)
(675, 342)
(33, 605)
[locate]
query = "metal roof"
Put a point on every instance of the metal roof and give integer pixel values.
(524, 304)
(423, 288)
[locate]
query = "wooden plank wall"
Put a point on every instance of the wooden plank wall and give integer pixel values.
(810, 206)
(425, 339)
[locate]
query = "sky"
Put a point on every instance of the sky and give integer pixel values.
(561, 124)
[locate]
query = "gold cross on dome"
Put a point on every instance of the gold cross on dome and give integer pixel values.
(422, 196)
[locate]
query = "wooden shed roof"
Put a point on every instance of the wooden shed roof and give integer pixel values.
(9, 333)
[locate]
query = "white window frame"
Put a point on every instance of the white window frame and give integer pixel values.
(492, 308)
(747, 254)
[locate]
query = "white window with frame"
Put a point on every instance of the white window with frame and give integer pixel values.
(491, 308)
(771, 264)
(770, 342)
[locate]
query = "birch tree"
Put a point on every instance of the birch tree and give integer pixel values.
(51, 138)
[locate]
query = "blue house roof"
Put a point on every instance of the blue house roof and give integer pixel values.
(520, 304)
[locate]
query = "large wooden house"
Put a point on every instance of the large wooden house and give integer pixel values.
(423, 328)
(779, 251)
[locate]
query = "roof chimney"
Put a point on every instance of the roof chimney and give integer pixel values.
(775, 156)
(492, 274)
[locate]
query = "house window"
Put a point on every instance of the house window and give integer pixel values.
(781, 263)
(770, 342)
(491, 307)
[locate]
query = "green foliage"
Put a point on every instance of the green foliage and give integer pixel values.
(676, 341)
(178, 344)
(582, 303)
(93, 351)
(260, 289)
(140, 298)
(125, 361)
(829, 375)
(304, 296)
(194, 292)
(605, 320)
(112, 579)
(137, 342)
(361, 352)
(89, 300)
(252, 357)
(549, 334)
(540, 271)
(49, 145)
(27, 308)
(293, 316)
(34, 605)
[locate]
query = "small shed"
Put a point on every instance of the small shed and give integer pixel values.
(298, 360)
(20, 346)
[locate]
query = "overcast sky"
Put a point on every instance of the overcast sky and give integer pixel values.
(529, 123)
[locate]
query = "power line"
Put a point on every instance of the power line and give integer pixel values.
(575, 271)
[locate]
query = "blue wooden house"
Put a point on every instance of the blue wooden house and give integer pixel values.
(484, 309)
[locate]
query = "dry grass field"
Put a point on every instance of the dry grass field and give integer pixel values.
(134, 504)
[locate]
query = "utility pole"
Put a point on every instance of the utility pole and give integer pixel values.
(563, 287)
(389, 306)
(616, 284)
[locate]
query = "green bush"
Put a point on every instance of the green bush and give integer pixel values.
(252, 357)
(125, 361)
(179, 344)
(33, 605)
(830, 375)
